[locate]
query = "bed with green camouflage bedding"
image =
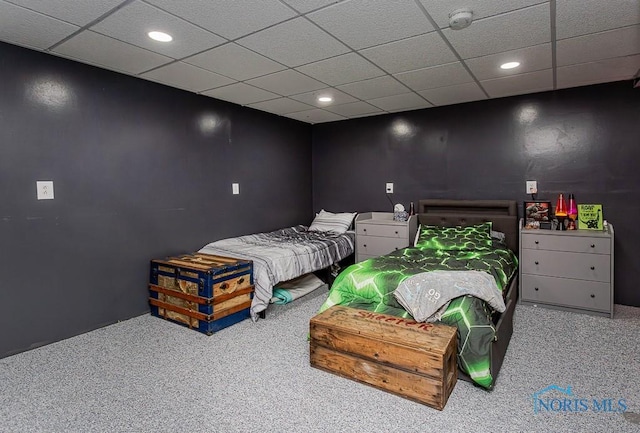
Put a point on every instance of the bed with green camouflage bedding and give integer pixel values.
(370, 284)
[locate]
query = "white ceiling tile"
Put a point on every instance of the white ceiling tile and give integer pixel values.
(504, 32)
(104, 51)
(315, 115)
(240, 93)
(311, 98)
(599, 46)
(406, 101)
(454, 94)
(374, 88)
(440, 9)
(412, 53)
(132, 23)
(580, 17)
(530, 82)
(436, 76)
(343, 69)
(228, 18)
(24, 27)
(602, 71)
(531, 59)
(365, 23)
(188, 77)
(353, 109)
(246, 47)
(280, 106)
(287, 83)
(235, 61)
(294, 43)
(78, 12)
(304, 6)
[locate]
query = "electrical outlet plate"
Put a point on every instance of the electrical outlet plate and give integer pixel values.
(532, 187)
(44, 189)
(389, 188)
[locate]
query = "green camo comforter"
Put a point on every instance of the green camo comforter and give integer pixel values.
(370, 284)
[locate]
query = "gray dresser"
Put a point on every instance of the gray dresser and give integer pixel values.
(570, 270)
(378, 234)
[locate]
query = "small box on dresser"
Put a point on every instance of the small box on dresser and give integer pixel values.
(378, 234)
(401, 356)
(570, 270)
(201, 291)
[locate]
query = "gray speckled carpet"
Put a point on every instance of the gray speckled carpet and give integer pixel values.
(146, 374)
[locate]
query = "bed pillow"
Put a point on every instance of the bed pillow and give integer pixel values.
(332, 222)
(458, 238)
(499, 236)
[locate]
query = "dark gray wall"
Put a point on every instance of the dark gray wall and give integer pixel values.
(583, 141)
(140, 171)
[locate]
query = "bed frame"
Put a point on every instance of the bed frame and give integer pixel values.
(504, 216)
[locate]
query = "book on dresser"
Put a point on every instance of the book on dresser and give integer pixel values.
(377, 234)
(569, 270)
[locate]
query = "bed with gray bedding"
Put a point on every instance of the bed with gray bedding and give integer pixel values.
(282, 255)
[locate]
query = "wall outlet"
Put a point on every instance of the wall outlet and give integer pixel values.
(532, 187)
(389, 188)
(235, 188)
(44, 189)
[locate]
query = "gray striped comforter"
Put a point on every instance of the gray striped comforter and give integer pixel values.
(282, 255)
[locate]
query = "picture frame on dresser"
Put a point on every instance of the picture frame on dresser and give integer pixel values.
(537, 214)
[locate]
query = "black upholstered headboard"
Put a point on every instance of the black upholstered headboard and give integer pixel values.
(502, 213)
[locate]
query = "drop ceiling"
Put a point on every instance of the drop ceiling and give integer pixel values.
(372, 56)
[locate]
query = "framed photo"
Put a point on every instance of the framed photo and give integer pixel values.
(537, 214)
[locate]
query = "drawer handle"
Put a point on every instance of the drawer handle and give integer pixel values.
(365, 245)
(536, 262)
(593, 246)
(224, 286)
(592, 268)
(537, 242)
(593, 296)
(364, 230)
(241, 280)
(536, 289)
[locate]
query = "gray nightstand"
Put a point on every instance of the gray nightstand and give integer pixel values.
(378, 234)
(570, 270)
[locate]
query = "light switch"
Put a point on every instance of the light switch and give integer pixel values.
(44, 189)
(235, 188)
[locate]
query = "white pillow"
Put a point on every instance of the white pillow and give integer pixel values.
(332, 222)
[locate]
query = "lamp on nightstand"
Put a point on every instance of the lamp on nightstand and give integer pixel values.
(561, 211)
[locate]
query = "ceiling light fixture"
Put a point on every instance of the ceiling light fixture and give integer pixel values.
(325, 99)
(160, 36)
(510, 65)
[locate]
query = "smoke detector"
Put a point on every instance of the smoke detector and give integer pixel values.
(460, 19)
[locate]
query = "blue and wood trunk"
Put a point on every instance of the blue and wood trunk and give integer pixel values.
(201, 291)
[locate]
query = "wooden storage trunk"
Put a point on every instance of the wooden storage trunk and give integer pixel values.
(202, 291)
(414, 360)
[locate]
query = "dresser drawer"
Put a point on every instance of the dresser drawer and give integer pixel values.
(577, 244)
(589, 295)
(582, 266)
(378, 246)
(383, 230)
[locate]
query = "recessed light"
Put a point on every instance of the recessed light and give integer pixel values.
(160, 36)
(510, 65)
(325, 99)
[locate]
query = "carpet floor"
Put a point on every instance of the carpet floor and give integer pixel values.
(147, 374)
